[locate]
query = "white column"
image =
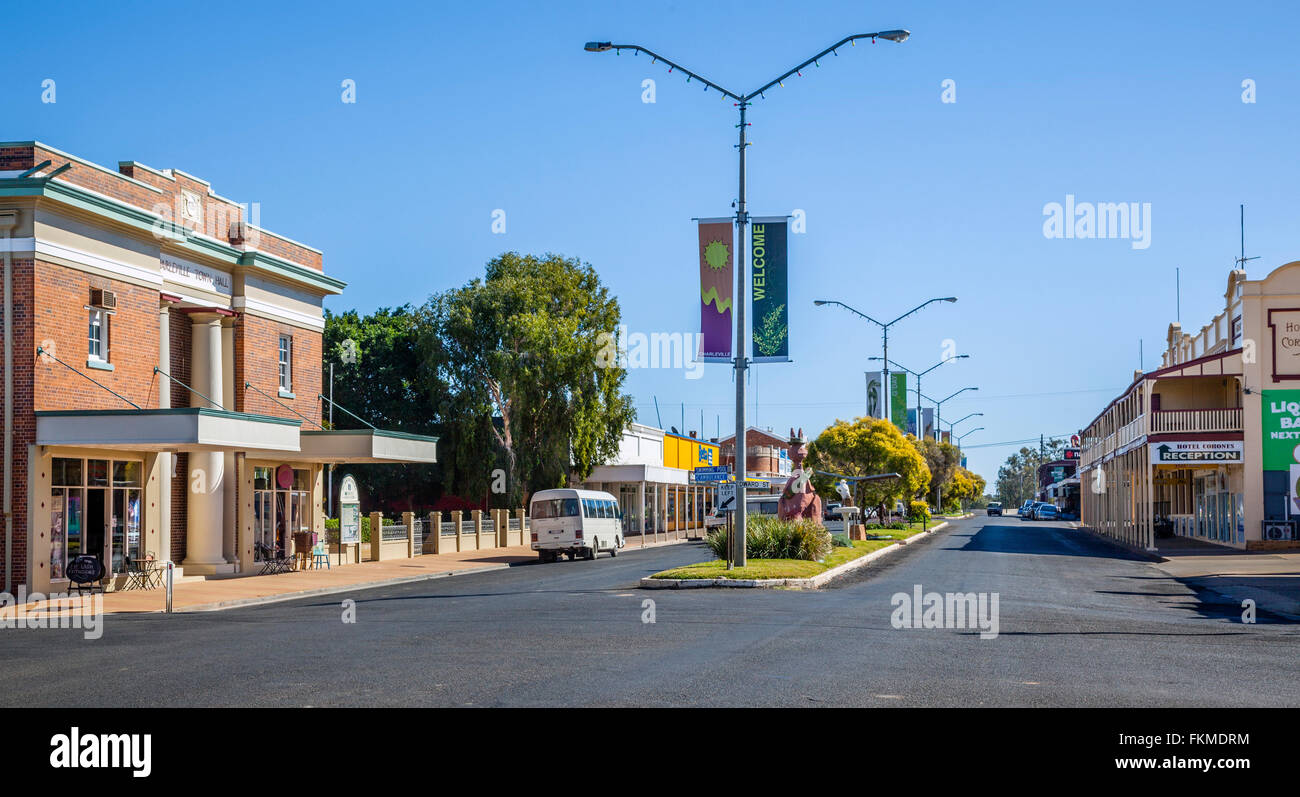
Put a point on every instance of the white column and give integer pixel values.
(205, 515)
(640, 510)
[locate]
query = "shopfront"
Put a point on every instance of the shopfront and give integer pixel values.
(95, 509)
(281, 508)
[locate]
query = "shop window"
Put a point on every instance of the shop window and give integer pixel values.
(93, 514)
(97, 337)
(286, 363)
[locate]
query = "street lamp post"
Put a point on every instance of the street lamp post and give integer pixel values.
(938, 409)
(920, 424)
(884, 327)
(963, 437)
(742, 218)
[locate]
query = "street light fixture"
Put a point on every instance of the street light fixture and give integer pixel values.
(938, 405)
(920, 425)
(742, 102)
(884, 327)
(968, 434)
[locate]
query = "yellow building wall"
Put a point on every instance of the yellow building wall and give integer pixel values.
(688, 453)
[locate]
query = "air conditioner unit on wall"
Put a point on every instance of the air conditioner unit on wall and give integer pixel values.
(1279, 530)
(102, 297)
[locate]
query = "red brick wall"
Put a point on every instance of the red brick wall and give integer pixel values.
(257, 361)
(217, 213)
(24, 421)
(179, 506)
(60, 297)
(181, 335)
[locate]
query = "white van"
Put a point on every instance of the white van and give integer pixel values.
(574, 521)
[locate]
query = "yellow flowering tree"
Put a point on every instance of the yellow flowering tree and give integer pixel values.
(868, 447)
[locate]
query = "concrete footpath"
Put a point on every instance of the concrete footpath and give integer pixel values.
(1269, 578)
(229, 592)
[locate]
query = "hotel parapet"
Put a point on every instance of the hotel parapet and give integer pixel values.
(162, 375)
(1207, 446)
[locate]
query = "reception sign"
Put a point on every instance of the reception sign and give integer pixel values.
(1193, 452)
(717, 261)
(1280, 428)
(769, 260)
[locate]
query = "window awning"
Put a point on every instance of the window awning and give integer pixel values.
(367, 446)
(179, 429)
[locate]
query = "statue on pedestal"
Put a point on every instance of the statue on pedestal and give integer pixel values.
(798, 499)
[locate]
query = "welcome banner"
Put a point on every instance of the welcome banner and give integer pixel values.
(717, 261)
(769, 261)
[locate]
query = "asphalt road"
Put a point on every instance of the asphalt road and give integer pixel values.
(1080, 624)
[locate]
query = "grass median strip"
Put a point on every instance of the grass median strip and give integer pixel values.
(788, 568)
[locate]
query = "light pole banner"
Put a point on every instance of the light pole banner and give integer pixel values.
(875, 395)
(769, 261)
(717, 272)
(898, 400)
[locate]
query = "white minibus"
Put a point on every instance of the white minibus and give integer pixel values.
(573, 522)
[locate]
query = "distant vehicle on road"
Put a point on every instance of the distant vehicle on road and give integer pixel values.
(994, 508)
(1045, 512)
(831, 511)
(573, 522)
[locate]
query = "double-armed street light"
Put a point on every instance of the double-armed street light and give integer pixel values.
(742, 102)
(938, 406)
(884, 328)
(920, 423)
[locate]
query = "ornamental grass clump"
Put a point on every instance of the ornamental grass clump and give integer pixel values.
(767, 537)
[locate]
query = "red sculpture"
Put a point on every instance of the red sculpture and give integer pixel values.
(798, 499)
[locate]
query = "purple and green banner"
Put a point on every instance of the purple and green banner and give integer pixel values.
(769, 279)
(717, 270)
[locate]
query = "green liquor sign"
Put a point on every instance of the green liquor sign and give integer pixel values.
(1280, 422)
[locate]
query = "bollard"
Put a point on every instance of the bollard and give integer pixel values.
(170, 585)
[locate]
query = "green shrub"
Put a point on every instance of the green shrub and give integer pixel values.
(332, 529)
(769, 538)
(918, 511)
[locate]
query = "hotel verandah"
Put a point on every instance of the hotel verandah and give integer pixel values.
(162, 374)
(1194, 447)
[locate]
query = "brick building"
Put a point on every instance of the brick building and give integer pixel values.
(767, 457)
(162, 374)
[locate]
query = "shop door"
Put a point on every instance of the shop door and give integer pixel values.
(96, 524)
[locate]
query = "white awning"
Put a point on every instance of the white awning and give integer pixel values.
(179, 429)
(367, 446)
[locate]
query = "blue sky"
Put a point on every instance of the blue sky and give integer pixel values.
(465, 109)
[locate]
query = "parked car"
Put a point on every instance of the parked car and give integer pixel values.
(831, 511)
(1026, 511)
(1045, 512)
(573, 522)
(994, 508)
(715, 519)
